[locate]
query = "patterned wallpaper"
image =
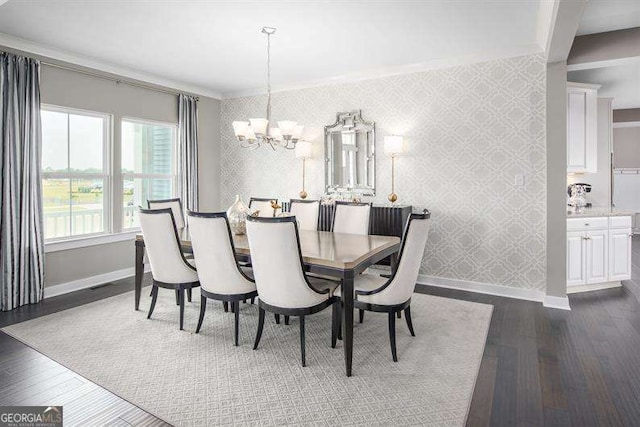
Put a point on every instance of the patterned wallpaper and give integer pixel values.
(468, 131)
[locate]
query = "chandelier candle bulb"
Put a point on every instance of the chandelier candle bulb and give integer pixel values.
(276, 134)
(287, 127)
(250, 135)
(259, 126)
(297, 132)
(240, 128)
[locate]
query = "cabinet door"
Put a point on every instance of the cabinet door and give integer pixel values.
(582, 138)
(619, 254)
(597, 261)
(575, 258)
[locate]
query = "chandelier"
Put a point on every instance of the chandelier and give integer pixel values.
(255, 132)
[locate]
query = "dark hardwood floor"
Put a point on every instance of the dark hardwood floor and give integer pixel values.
(540, 366)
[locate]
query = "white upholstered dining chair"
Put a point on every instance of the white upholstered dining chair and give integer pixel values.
(176, 208)
(283, 287)
(169, 268)
(392, 295)
(306, 213)
(352, 218)
(221, 278)
(263, 206)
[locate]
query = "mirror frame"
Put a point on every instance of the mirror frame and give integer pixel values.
(351, 120)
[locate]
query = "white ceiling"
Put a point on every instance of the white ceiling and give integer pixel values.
(620, 82)
(218, 45)
(609, 15)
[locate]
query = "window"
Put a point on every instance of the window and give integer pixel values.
(75, 173)
(148, 166)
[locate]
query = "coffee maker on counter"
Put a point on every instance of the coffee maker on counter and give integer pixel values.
(577, 195)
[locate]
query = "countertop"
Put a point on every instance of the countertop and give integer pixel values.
(597, 212)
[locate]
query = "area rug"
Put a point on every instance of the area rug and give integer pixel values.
(202, 379)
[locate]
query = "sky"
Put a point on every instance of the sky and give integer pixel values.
(85, 139)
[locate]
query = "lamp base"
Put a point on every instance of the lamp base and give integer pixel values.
(392, 197)
(303, 194)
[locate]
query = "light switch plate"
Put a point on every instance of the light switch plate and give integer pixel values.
(519, 180)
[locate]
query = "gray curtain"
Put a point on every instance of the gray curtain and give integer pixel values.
(21, 238)
(188, 150)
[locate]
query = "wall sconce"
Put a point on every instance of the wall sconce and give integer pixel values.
(393, 146)
(303, 151)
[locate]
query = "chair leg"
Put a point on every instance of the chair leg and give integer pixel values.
(177, 297)
(392, 335)
(189, 294)
(225, 305)
(181, 298)
(253, 299)
(399, 314)
(302, 346)
(277, 316)
(237, 321)
(203, 307)
(154, 298)
(286, 320)
(260, 327)
(336, 318)
(407, 317)
(361, 315)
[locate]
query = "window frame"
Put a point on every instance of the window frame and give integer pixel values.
(175, 176)
(106, 175)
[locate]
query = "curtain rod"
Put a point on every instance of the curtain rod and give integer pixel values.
(114, 79)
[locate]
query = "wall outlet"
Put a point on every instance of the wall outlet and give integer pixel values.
(519, 180)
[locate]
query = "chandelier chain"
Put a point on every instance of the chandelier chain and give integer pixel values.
(268, 78)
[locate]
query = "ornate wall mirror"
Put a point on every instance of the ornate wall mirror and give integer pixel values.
(349, 146)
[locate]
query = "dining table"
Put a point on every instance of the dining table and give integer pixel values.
(340, 256)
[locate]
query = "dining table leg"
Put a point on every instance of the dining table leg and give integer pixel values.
(139, 272)
(347, 321)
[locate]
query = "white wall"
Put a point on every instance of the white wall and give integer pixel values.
(468, 130)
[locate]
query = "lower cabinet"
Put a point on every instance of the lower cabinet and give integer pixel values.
(598, 250)
(620, 254)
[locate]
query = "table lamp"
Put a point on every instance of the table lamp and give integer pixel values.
(303, 151)
(393, 146)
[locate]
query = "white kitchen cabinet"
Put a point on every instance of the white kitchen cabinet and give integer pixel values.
(597, 263)
(576, 269)
(620, 254)
(582, 127)
(598, 251)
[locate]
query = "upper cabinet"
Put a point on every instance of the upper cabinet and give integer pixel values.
(582, 127)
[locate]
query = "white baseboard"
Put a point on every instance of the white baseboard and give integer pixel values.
(560, 303)
(497, 290)
(88, 282)
(593, 287)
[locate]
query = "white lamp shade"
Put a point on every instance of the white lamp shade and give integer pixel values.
(250, 134)
(287, 127)
(393, 145)
(259, 126)
(297, 132)
(303, 150)
(276, 134)
(240, 128)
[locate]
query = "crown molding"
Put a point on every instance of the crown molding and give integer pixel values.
(28, 46)
(511, 52)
